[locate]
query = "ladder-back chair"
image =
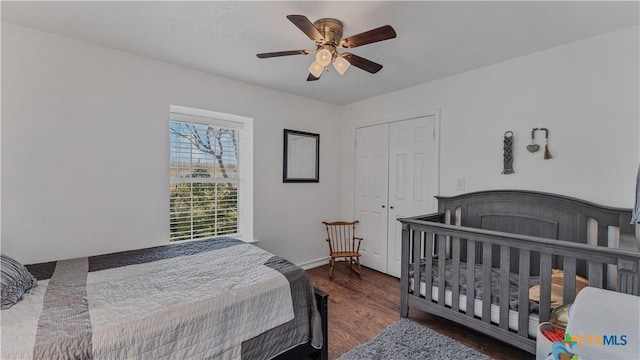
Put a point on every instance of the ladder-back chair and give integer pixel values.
(343, 244)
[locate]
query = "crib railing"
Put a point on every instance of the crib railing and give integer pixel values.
(428, 238)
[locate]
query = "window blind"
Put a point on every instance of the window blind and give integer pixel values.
(203, 179)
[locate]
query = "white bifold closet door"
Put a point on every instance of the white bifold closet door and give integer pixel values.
(372, 184)
(396, 177)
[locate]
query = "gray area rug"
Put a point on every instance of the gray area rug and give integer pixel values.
(409, 340)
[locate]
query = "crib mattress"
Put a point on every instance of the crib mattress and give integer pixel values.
(477, 308)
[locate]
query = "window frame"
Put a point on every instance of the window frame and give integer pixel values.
(244, 125)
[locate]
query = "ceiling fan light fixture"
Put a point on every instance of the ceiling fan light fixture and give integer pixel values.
(316, 69)
(323, 57)
(326, 34)
(341, 65)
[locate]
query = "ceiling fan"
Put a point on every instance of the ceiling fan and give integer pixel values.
(327, 35)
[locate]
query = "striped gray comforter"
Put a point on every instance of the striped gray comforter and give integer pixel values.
(219, 298)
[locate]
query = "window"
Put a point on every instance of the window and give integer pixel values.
(205, 169)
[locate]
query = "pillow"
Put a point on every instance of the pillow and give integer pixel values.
(16, 280)
(557, 289)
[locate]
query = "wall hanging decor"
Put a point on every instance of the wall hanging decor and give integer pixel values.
(547, 154)
(533, 147)
(301, 158)
(508, 153)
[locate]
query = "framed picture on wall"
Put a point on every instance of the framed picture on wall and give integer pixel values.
(301, 160)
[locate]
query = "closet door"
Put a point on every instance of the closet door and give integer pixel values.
(412, 179)
(371, 193)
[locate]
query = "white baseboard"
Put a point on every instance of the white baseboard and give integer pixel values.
(314, 263)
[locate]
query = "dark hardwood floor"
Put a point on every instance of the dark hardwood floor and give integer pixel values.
(359, 308)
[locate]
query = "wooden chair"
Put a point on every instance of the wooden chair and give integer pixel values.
(343, 243)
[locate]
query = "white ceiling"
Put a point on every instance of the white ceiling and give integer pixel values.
(435, 39)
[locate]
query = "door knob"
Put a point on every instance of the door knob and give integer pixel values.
(383, 206)
(391, 207)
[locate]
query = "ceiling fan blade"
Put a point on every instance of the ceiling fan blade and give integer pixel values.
(378, 34)
(306, 26)
(282, 53)
(313, 78)
(362, 63)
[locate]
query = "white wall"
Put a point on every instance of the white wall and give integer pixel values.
(586, 93)
(85, 154)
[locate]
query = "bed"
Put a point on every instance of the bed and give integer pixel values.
(499, 250)
(219, 298)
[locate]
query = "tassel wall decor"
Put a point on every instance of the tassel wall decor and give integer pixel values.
(547, 154)
(508, 153)
(533, 147)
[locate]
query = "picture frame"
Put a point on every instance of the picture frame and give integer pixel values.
(301, 157)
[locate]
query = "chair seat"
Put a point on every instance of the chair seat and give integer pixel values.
(345, 254)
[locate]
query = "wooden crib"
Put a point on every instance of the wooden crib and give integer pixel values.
(515, 238)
